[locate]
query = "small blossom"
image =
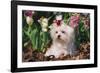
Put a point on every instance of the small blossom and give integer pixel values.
(44, 23)
(29, 20)
(28, 14)
(74, 21)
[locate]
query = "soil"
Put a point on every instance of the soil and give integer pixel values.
(30, 55)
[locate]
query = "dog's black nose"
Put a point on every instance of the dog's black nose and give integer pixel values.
(59, 36)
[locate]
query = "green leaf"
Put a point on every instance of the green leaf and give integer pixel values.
(33, 38)
(29, 29)
(26, 32)
(82, 29)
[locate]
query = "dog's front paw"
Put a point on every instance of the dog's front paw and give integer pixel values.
(46, 54)
(63, 55)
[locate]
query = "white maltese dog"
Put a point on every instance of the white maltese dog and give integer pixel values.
(63, 40)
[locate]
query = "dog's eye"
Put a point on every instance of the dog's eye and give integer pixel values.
(56, 31)
(63, 31)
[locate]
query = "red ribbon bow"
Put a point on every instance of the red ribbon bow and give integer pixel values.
(58, 22)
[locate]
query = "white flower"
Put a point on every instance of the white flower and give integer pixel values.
(29, 20)
(44, 23)
(44, 29)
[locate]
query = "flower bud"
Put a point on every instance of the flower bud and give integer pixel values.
(29, 20)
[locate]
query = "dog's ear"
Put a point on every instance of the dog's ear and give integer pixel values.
(54, 25)
(51, 27)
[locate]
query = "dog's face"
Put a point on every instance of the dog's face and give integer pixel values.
(61, 33)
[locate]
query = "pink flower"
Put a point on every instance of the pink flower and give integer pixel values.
(74, 21)
(29, 13)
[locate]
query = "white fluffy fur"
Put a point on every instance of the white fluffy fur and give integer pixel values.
(63, 45)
